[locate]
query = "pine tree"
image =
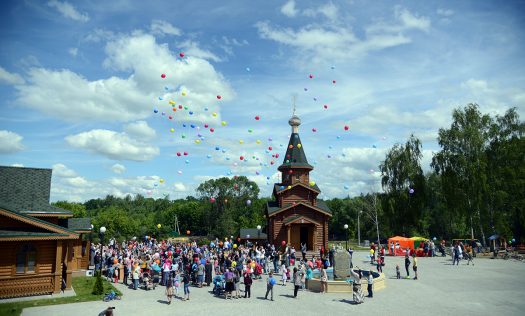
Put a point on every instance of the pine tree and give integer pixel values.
(98, 288)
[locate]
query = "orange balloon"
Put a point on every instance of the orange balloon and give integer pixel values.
(188, 232)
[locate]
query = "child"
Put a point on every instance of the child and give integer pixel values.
(177, 283)
(247, 285)
(169, 289)
(186, 279)
(398, 272)
(283, 275)
(269, 286)
(379, 265)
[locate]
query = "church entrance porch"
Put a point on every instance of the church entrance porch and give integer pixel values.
(300, 234)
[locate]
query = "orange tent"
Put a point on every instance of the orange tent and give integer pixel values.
(400, 245)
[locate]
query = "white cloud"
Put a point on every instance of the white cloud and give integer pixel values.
(179, 186)
(445, 12)
(140, 130)
(67, 10)
(78, 182)
(289, 9)
(73, 51)
(192, 49)
(17, 165)
(113, 145)
(159, 27)
(60, 170)
(126, 99)
(10, 142)
(329, 10)
(118, 168)
(318, 42)
(10, 78)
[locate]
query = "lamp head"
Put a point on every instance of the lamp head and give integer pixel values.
(346, 226)
(102, 230)
(259, 227)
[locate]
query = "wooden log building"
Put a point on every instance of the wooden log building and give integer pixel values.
(296, 216)
(41, 245)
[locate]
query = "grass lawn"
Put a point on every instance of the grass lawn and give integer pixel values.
(82, 285)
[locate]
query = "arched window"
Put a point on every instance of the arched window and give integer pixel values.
(26, 259)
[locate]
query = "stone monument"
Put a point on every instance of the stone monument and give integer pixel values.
(342, 264)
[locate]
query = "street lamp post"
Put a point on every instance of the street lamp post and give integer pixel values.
(358, 229)
(102, 231)
(346, 235)
(258, 233)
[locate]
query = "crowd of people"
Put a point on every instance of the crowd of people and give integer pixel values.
(148, 263)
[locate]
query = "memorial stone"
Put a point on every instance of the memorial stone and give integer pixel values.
(342, 264)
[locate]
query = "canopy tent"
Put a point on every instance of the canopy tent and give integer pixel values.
(417, 241)
(400, 245)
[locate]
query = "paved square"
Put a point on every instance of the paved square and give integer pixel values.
(491, 287)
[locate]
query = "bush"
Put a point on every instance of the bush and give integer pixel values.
(98, 288)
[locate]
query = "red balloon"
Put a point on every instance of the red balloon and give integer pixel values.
(314, 130)
(290, 171)
(257, 118)
(276, 155)
(283, 242)
(163, 76)
(271, 162)
(212, 199)
(241, 157)
(333, 81)
(181, 55)
(270, 148)
(325, 106)
(185, 153)
(180, 107)
(219, 97)
(178, 154)
(212, 129)
(205, 125)
(170, 117)
(346, 127)
(311, 76)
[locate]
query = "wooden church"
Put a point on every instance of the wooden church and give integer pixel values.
(296, 216)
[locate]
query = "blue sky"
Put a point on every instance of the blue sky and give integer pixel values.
(80, 80)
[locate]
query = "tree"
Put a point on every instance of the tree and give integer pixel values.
(462, 163)
(372, 208)
(404, 184)
(78, 209)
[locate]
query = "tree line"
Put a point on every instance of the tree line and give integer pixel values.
(476, 187)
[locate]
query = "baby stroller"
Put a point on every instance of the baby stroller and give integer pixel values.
(147, 282)
(219, 285)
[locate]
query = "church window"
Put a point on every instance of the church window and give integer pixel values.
(26, 259)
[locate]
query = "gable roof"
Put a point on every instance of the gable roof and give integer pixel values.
(253, 233)
(295, 156)
(280, 188)
(41, 229)
(294, 218)
(27, 190)
(320, 207)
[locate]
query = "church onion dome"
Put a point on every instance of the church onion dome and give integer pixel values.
(294, 121)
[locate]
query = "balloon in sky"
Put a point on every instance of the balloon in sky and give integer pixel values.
(325, 106)
(333, 81)
(241, 157)
(181, 55)
(257, 118)
(312, 183)
(155, 111)
(163, 76)
(223, 123)
(218, 97)
(299, 145)
(311, 76)
(314, 130)
(212, 199)
(346, 127)
(241, 141)
(172, 130)
(214, 114)
(212, 129)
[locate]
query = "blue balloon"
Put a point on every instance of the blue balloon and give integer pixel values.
(374, 146)
(191, 112)
(160, 98)
(281, 187)
(346, 187)
(217, 148)
(205, 109)
(192, 125)
(183, 125)
(338, 137)
(267, 178)
(155, 111)
(224, 150)
(187, 161)
(209, 156)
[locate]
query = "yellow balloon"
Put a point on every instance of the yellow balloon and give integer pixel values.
(223, 123)
(234, 245)
(172, 130)
(234, 264)
(312, 183)
(241, 141)
(214, 114)
(197, 141)
(299, 145)
(258, 141)
(172, 102)
(289, 187)
(161, 180)
(159, 225)
(183, 93)
(253, 264)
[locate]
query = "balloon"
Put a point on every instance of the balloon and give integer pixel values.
(170, 117)
(178, 154)
(180, 107)
(250, 130)
(197, 141)
(241, 157)
(257, 118)
(283, 242)
(183, 135)
(311, 76)
(185, 153)
(270, 148)
(289, 187)
(299, 145)
(291, 146)
(174, 109)
(188, 232)
(248, 202)
(163, 76)
(223, 123)
(214, 114)
(234, 247)
(346, 187)
(305, 89)
(312, 183)
(172, 130)
(212, 130)
(212, 199)
(155, 111)
(190, 113)
(411, 191)
(161, 180)
(346, 127)
(187, 161)
(314, 130)
(257, 141)
(219, 97)
(248, 69)
(179, 172)
(181, 55)
(325, 106)
(159, 226)
(333, 81)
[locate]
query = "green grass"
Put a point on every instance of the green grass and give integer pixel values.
(82, 285)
